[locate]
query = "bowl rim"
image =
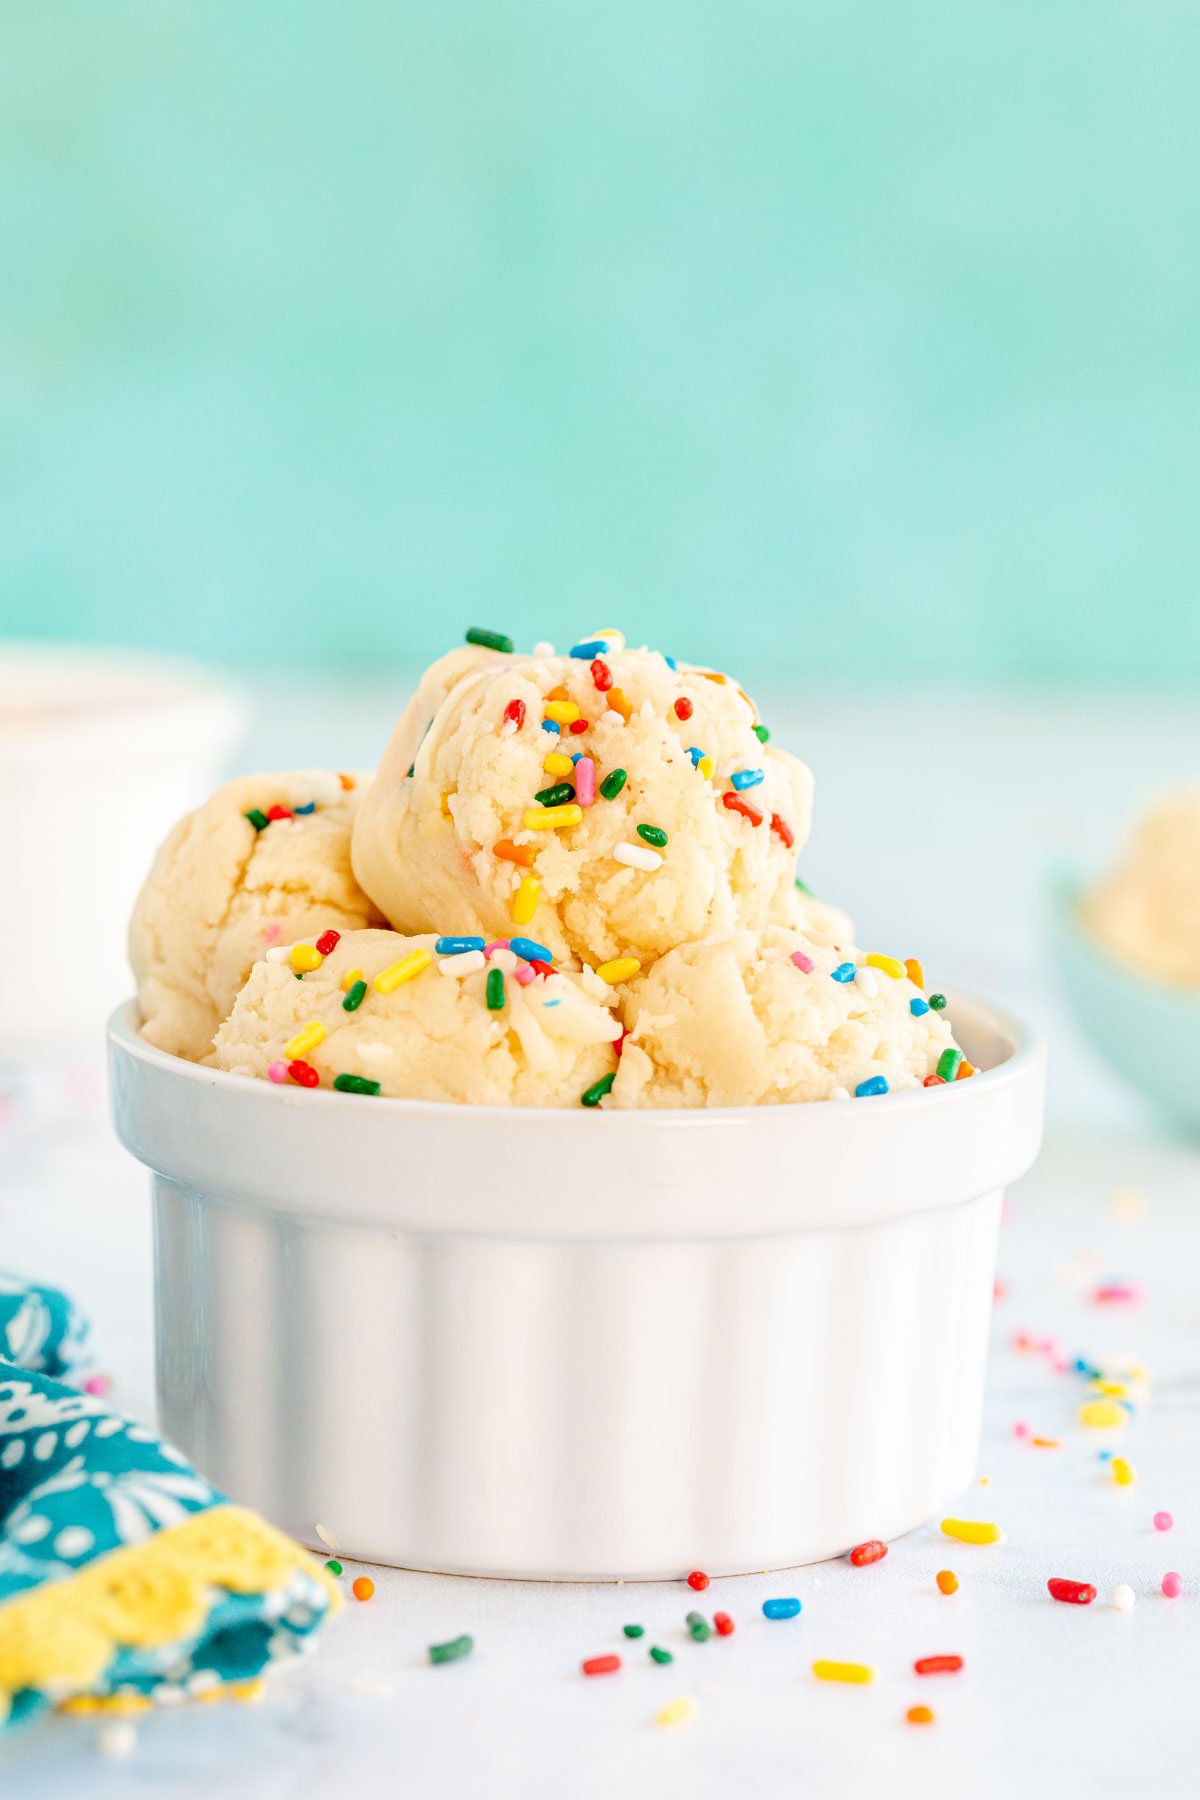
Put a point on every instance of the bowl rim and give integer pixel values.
(1026, 1054)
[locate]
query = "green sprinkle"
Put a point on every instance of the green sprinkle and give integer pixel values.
(495, 989)
(653, 834)
(612, 784)
(635, 1630)
(411, 767)
(355, 997)
(761, 733)
(660, 1656)
(938, 1002)
(947, 1064)
(457, 1647)
(594, 1095)
(802, 887)
(258, 819)
(557, 795)
(334, 1566)
(490, 640)
(699, 1628)
(355, 1084)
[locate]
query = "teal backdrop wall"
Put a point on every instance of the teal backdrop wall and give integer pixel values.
(857, 338)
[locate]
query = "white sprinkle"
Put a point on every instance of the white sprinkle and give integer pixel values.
(279, 953)
(1124, 1597)
(118, 1738)
(465, 962)
(542, 648)
(839, 1093)
(864, 978)
(637, 856)
(504, 959)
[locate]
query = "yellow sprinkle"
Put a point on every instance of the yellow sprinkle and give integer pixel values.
(616, 639)
(1123, 1472)
(305, 958)
(705, 766)
(619, 969)
(349, 979)
(713, 675)
(838, 1671)
(888, 964)
(676, 1712)
(248, 1692)
(404, 970)
(306, 1039)
(971, 1531)
(620, 702)
(558, 764)
(524, 901)
(551, 818)
(1101, 1415)
(1116, 1390)
(914, 971)
(446, 813)
(82, 1703)
(563, 712)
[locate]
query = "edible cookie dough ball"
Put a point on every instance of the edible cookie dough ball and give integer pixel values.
(431, 1035)
(264, 861)
(677, 822)
(815, 918)
(1148, 911)
(752, 1019)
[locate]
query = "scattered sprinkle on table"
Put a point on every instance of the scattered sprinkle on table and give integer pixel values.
(1163, 1521)
(938, 1665)
(786, 1607)
(601, 1665)
(699, 1628)
(1172, 1584)
(919, 1715)
(972, 1531)
(1102, 1415)
(724, 1624)
(1123, 1472)
(659, 1655)
(1072, 1593)
(334, 1566)
(676, 1712)
(362, 1587)
(634, 1631)
(858, 1673)
(697, 1581)
(947, 1581)
(453, 1650)
(1124, 1598)
(873, 1551)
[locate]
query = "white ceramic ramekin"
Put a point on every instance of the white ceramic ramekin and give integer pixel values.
(100, 753)
(578, 1345)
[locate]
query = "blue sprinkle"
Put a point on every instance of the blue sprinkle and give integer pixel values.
(781, 1609)
(578, 756)
(876, 1085)
(695, 752)
(546, 1004)
(454, 946)
(550, 725)
(593, 647)
(300, 810)
(528, 951)
(744, 778)
(844, 972)
(669, 660)
(1105, 1455)
(918, 1006)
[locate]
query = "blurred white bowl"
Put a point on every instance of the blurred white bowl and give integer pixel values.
(100, 753)
(561, 1344)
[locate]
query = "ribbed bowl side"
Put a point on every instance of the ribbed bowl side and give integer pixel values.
(587, 1410)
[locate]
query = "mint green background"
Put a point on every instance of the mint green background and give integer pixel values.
(854, 337)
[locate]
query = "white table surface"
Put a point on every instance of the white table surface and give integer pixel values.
(938, 817)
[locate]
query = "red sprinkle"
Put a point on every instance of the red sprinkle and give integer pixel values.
(1075, 1593)
(514, 713)
(601, 1665)
(736, 804)
(328, 940)
(698, 1580)
(303, 1074)
(783, 830)
(934, 1081)
(619, 1043)
(684, 708)
(938, 1665)
(601, 675)
(278, 812)
(874, 1550)
(724, 1624)
(579, 726)
(541, 968)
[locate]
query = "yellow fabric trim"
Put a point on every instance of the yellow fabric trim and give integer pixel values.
(60, 1638)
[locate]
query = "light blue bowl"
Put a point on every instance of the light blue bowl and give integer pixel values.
(1148, 1032)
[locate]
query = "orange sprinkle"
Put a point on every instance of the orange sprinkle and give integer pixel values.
(363, 1587)
(919, 1715)
(446, 813)
(521, 854)
(347, 781)
(1046, 1443)
(914, 971)
(964, 1069)
(620, 703)
(712, 675)
(558, 693)
(947, 1581)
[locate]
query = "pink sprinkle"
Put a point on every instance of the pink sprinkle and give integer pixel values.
(804, 963)
(523, 975)
(496, 944)
(1117, 1293)
(272, 932)
(1021, 1429)
(1163, 1521)
(1172, 1585)
(97, 1384)
(585, 781)
(277, 1071)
